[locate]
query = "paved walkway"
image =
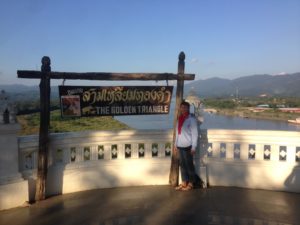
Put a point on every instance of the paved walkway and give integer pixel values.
(161, 205)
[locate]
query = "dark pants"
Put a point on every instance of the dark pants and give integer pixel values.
(187, 168)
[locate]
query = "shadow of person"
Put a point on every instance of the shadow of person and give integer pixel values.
(292, 182)
(200, 167)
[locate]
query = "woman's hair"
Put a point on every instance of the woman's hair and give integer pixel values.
(185, 103)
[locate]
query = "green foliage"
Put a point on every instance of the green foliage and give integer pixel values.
(229, 103)
(242, 107)
(30, 106)
(292, 102)
(30, 123)
(220, 103)
(27, 105)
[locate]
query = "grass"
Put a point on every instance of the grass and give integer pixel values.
(30, 123)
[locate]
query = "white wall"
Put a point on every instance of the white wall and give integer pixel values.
(226, 154)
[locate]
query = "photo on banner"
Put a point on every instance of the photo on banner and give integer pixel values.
(70, 106)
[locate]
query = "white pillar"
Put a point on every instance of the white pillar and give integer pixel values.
(13, 188)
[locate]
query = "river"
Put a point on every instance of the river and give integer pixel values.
(211, 121)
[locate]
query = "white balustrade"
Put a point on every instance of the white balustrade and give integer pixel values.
(244, 158)
(253, 158)
(87, 160)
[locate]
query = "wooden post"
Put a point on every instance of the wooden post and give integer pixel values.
(42, 169)
(174, 170)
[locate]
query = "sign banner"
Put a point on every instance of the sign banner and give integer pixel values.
(114, 100)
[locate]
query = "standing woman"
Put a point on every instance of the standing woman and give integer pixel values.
(185, 145)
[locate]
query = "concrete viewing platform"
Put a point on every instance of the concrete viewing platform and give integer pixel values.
(161, 205)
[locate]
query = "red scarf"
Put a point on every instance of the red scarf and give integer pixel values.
(181, 120)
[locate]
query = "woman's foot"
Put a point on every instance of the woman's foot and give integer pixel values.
(181, 186)
(188, 187)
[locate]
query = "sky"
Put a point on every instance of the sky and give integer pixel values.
(220, 38)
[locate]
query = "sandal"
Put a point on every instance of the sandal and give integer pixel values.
(188, 187)
(180, 187)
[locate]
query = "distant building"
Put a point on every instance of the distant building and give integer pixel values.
(263, 106)
(260, 108)
(263, 95)
(290, 110)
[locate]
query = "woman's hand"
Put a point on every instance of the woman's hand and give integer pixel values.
(193, 151)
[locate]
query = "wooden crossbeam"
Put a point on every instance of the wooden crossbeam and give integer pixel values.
(33, 74)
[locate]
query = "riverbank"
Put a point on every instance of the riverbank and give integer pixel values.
(270, 114)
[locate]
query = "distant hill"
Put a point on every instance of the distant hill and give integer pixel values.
(250, 86)
(17, 88)
(19, 92)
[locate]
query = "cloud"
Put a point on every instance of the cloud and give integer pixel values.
(194, 60)
(280, 74)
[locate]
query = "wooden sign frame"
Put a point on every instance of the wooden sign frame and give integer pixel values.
(45, 75)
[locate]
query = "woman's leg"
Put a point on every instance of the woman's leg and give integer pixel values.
(190, 167)
(183, 165)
